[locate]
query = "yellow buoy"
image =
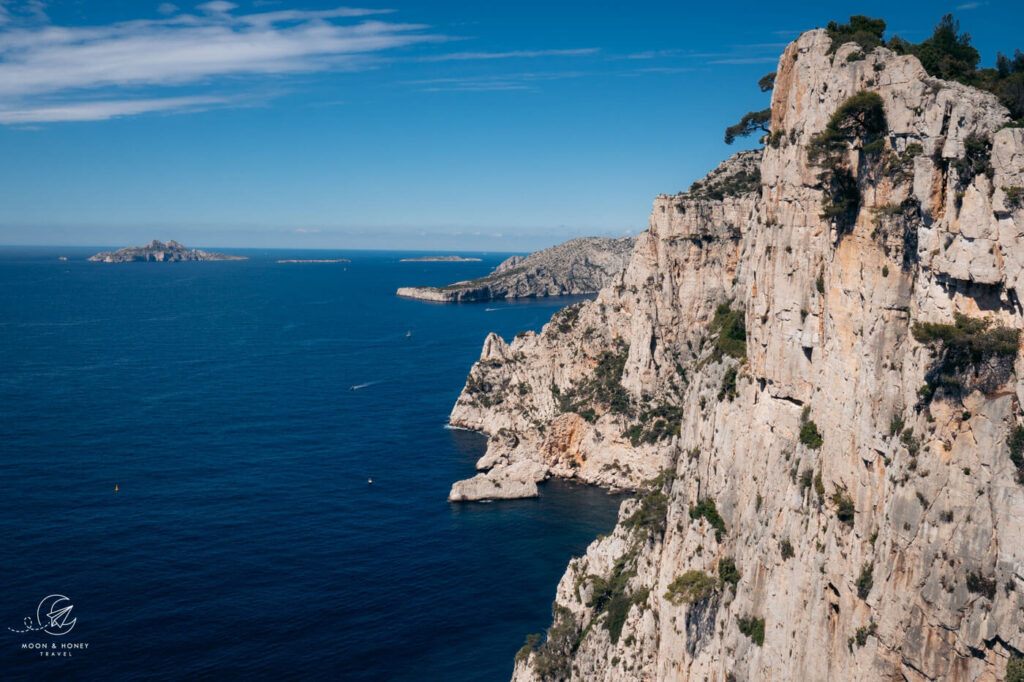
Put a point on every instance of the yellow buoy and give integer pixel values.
(115, 487)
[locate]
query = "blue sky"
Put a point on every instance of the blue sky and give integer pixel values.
(410, 124)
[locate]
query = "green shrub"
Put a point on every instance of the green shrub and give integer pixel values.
(650, 515)
(979, 584)
(896, 424)
(657, 423)
(787, 549)
(1015, 669)
(555, 654)
(809, 435)
(729, 329)
(753, 628)
(718, 187)
(971, 354)
(532, 642)
(806, 478)
(691, 587)
(819, 487)
(977, 159)
(864, 31)
(863, 632)
(602, 390)
(860, 118)
(728, 572)
(910, 441)
(706, 508)
(1014, 196)
(1015, 441)
(866, 579)
(566, 318)
(728, 389)
(844, 506)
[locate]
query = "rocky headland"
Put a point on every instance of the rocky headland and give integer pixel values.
(810, 372)
(578, 266)
(440, 259)
(158, 252)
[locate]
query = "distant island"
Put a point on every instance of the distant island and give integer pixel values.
(578, 266)
(158, 252)
(315, 260)
(440, 259)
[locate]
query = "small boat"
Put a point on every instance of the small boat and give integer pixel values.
(369, 481)
(115, 487)
(408, 335)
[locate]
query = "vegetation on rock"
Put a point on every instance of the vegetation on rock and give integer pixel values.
(809, 435)
(969, 354)
(691, 587)
(753, 628)
(866, 579)
(752, 122)
(706, 508)
(729, 329)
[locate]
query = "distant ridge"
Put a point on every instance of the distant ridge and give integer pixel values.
(578, 266)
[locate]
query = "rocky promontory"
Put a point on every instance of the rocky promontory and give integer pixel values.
(811, 373)
(440, 259)
(158, 252)
(578, 266)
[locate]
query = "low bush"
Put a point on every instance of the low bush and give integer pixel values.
(971, 354)
(845, 510)
(728, 572)
(705, 508)
(809, 435)
(729, 329)
(691, 587)
(1015, 442)
(979, 584)
(753, 628)
(866, 579)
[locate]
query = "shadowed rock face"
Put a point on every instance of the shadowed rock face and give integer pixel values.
(770, 362)
(158, 252)
(579, 266)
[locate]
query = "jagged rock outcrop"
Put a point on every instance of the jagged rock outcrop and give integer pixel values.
(578, 266)
(158, 252)
(825, 367)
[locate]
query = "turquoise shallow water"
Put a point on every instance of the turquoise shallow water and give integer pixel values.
(244, 539)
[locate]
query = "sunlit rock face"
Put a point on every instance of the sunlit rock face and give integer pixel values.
(830, 402)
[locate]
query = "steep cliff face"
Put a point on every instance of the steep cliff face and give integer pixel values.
(822, 361)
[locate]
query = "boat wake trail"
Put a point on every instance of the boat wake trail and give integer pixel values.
(359, 386)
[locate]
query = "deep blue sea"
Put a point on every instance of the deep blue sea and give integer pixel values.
(244, 540)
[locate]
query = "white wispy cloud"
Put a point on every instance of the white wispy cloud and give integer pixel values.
(496, 82)
(513, 54)
(970, 5)
(102, 110)
(41, 62)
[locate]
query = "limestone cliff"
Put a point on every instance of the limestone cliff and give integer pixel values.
(578, 266)
(810, 371)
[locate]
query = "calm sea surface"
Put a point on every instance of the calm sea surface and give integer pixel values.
(244, 539)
